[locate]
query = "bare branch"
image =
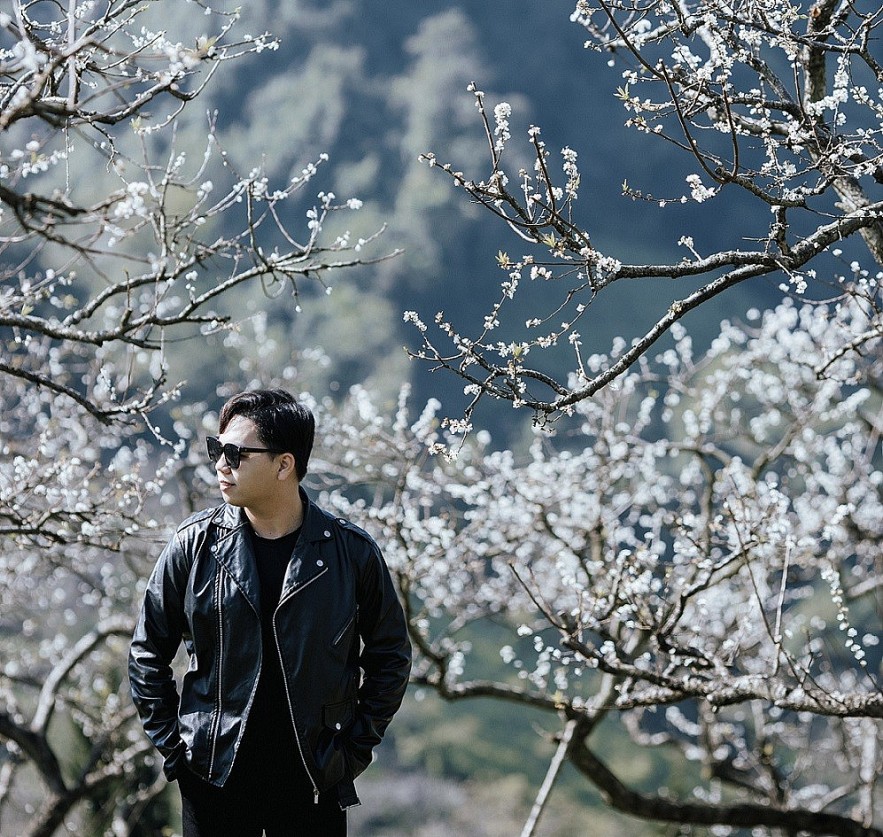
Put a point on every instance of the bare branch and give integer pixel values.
(660, 809)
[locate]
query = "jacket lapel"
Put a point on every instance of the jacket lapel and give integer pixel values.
(307, 562)
(233, 551)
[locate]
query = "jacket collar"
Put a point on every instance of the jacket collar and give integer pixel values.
(313, 528)
(233, 548)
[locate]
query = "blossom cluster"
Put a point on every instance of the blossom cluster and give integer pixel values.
(694, 535)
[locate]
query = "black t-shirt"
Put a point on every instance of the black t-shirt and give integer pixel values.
(272, 556)
(269, 722)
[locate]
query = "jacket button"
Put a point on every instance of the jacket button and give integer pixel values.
(337, 726)
(320, 563)
(327, 534)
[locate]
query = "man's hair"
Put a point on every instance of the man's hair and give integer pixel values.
(282, 423)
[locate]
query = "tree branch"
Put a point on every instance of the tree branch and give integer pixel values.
(661, 809)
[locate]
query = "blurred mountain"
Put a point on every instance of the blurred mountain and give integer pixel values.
(375, 84)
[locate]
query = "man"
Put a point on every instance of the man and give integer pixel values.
(279, 605)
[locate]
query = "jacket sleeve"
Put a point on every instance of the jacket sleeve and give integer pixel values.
(157, 636)
(385, 658)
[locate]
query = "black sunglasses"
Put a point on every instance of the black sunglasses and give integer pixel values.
(232, 453)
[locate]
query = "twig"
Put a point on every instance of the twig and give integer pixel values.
(551, 777)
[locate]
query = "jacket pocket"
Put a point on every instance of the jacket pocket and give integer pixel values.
(342, 633)
(338, 716)
(339, 719)
(330, 744)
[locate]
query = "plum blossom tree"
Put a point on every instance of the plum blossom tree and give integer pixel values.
(777, 104)
(692, 564)
(692, 561)
(118, 236)
(693, 557)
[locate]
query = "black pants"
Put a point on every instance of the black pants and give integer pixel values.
(262, 796)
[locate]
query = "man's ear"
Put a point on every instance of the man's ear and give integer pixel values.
(286, 465)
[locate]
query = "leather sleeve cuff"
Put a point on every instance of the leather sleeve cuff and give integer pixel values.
(175, 762)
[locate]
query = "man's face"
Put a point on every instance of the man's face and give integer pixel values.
(255, 478)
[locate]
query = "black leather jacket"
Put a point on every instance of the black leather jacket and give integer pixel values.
(338, 613)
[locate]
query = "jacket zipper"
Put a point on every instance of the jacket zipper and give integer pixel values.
(300, 748)
(342, 632)
(216, 723)
(219, 694)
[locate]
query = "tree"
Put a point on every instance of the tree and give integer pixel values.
(697, 559)
(119, 237)
(673, 566)
(776, 106)
(695, 564)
